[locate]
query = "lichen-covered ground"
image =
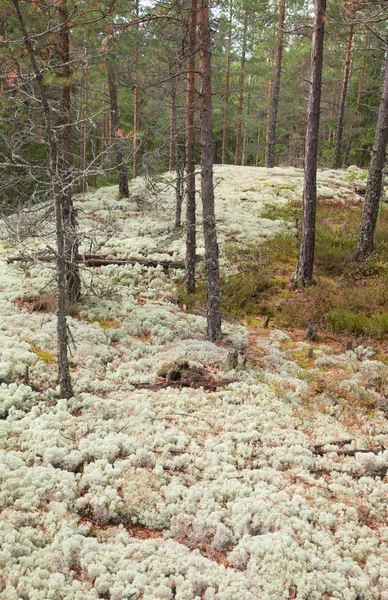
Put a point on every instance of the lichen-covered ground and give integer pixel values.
(271, 487)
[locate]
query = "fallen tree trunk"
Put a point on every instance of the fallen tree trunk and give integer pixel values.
(97, 260)
(207, 384)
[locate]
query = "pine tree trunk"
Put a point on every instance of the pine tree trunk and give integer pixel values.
(375, 177)
(209, 221)
(304, 270)
(241, 91)
(269, 93)
(227, 83)
(191, 242)
(136, 104)
(246, 129)
(270, 149)
(117, 135)
(172, 163)
(341, 114)
(57, 185)
(69, 215)
(358, 102)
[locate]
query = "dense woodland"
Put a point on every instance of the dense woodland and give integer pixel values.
(193, 300)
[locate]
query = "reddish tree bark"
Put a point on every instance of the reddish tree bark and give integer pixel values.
(136, 105)
(237, 154)
(270, 148)
(227, 83)
(190, 151)
(304, 270)
(209, 221)
(375, 177)
(172, 163)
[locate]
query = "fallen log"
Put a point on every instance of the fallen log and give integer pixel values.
(98, 260)
(184, 383)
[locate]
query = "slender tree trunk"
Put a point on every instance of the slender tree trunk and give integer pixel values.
(269, 93)
(173, 141)
(136, 103)
(246, 131)
(241, 92)
(258, 146)
(69, 214)
(83, 147)
(304, 270)
(117, 135)
(66, 390)
(358, 102)
(190, 152)
(341, 114)
(375, 177)
(179, 193)
(227, 83)
(270, 149)
(209, 221)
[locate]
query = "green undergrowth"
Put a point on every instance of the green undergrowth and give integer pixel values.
(348, 297)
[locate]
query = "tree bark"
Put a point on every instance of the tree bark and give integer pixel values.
(375, 177)
(191, 242)
(209, 221)
(241, 91)
(117, 135)
(56, 183)
(136, 103)
(341, 114)
(73, 279)
(270, 149)
(227, 83)
(172, 166)
(358, 102)
(304, 270)
(246, 129)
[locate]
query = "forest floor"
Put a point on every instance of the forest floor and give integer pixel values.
(170, 474)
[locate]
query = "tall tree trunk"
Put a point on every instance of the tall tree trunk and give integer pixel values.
(241, 91)
(209, 221)
(341, 114)
(73, 288)
(270, 149)
(304, 270)
(375, 177)
(190, 151)
(269, 93)
(136, 103)
(258, 146)
(358, 102)
(83, 147)
(227, 83)
(56, 183)
(173, 141)
(246, 130)
(117, 135)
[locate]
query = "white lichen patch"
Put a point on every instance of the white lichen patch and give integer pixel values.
(136, 489)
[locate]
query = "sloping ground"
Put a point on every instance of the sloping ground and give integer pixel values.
(274, 486)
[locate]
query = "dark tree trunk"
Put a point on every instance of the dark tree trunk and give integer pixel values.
(173, 155)
(304, 270)
(227, 82)
(209, 221)
(341, 114)
(66, 390)
(190, 152)
(136, 103)
(117, 135)
(358, 102)
(270, 149)
(179, 193)
(246, 129)
(375, 177)
(241, 91)
(69, 214)
(269, 93)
